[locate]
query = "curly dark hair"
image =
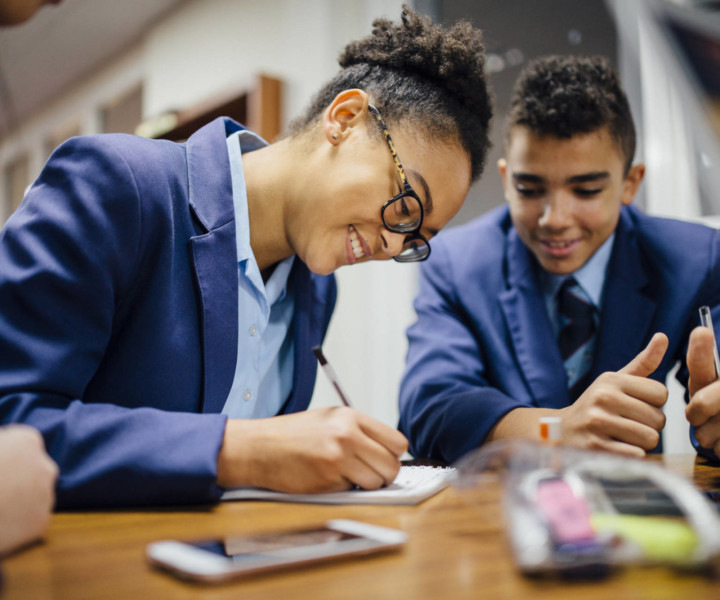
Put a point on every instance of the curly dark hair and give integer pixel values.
(431, 77)
(562, 96)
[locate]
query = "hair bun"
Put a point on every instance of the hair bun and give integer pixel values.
(452, 58)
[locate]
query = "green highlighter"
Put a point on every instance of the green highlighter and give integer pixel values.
(660, 539)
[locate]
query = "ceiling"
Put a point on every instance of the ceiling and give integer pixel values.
(63, 43)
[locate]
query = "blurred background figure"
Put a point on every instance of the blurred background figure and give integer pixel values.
(27, 488)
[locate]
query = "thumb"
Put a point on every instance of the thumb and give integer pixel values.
(649, 358)
(700, 360)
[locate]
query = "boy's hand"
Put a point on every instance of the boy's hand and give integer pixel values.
(703, 409)
(621, 411)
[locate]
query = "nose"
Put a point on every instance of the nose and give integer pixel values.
(392, 242)
(556, 212)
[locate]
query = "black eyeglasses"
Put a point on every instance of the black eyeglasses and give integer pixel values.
(403, 213)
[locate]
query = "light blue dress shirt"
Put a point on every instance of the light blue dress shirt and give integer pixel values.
(591, 280)
(264, 368)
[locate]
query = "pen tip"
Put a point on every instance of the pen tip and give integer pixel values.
(317, 351)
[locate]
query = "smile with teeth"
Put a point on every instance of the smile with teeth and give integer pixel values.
(560, 248)
(356, 244)
(561, 244)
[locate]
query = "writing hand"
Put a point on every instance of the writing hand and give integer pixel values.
(703, 409)
(621, 411)
(322, 450)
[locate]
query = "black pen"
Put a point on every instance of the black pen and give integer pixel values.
(317, 351)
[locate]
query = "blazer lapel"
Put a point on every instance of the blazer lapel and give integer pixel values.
(216, 275)
(529, 327)
(215, 258)
(627, 313)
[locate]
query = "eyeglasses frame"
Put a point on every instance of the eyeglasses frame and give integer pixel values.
(408, 190)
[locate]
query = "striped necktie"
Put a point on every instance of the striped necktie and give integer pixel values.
(576, 338)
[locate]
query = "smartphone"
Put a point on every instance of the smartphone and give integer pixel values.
(237, 556)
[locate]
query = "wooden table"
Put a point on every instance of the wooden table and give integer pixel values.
(456, 549)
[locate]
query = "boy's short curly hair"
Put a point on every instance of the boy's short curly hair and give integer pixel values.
(562, 96)
(430, 77)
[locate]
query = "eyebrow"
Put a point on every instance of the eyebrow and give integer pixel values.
(589, 177)
(528, 178)
(428, 196)
(583, 178)
(428, 205)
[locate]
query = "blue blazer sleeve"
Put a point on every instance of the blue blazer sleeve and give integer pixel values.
(81, 271)
(447, 406)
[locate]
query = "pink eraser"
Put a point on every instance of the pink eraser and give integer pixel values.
(567, 514)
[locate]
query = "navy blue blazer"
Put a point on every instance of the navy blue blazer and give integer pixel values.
(483, 343)
(118, 316)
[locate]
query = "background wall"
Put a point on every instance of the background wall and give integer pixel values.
(202, 48)
(517, 31)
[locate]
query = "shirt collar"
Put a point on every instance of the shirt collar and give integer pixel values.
(249, 140)
(238, 144)
(590, 277)
(276, 285)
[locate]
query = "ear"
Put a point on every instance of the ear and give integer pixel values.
(347, 110)
(632, 182)
(502, 169)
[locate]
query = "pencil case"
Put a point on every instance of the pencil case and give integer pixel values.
(576, 513)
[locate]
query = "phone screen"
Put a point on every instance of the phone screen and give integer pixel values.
(239, 548)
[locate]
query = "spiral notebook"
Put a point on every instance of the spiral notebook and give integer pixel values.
(412, 485)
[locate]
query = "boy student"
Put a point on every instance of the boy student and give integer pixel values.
(567, 301)
(159, 301)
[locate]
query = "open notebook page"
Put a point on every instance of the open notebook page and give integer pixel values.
(412, 485)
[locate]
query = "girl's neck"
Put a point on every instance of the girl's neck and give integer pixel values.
(272, 188)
